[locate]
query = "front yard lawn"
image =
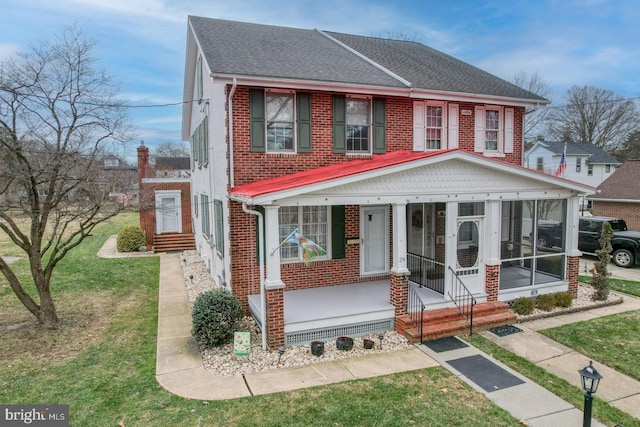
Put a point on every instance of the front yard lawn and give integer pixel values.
(102, 363)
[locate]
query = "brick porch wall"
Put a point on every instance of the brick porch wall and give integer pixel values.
(399, 294)
(274, 300)
(573, 267)
(492, 282)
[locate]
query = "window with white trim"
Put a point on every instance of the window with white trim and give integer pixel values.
(540, 164)
(494, 130)
(312, 222)
(280, 114)
(358, 122)
(578, 164)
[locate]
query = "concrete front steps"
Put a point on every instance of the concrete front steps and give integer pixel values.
(447, 322)
(173, 242)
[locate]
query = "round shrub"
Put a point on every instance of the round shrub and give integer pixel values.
(546, 302)
(215, 316)
(522, 306)
(130, 238)
(563, 299)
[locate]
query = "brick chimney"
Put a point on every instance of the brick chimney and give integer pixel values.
(143, 161)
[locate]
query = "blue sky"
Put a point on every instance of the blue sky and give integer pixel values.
(141, 43)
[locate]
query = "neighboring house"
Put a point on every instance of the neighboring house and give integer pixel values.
(120, 177)
(619, 195)
(401, 162)
(585, 162)
(172, 167)
(165, 203)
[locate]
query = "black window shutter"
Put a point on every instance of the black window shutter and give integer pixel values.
(339, 124)
(379, 126)
(256, 114)
(338, 239)
(304, 122)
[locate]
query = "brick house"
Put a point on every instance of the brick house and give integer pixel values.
(165, 204)
(619, 195)
(402, 163)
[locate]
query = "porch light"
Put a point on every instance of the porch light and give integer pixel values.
(590, 380)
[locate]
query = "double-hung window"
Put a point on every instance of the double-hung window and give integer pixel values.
(492, 129)
(540, 164)
(578, 164)
(434, 127)
(358, 121)
(312, 222)
(280, 115)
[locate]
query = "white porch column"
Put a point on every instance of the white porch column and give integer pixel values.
(493, 225)
(572, 226)
(451, 242)
(399, 239)
(272, 239)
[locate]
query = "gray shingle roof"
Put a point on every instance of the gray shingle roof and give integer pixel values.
(623, 184)
(427, 68)
(596, 155)
(237, 48)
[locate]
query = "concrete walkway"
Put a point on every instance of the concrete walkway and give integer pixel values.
(179, 366)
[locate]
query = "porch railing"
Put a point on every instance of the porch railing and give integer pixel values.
(462, 298)
(415, 308)
(426, 272)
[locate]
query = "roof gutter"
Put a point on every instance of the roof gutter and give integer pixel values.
(263, 314)
(410, 92)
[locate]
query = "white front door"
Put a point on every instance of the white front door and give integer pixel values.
(168, 212)
(374, 246)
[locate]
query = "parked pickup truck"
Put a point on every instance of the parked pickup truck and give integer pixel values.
(625, 243)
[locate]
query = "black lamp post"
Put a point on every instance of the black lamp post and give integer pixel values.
(590, 380)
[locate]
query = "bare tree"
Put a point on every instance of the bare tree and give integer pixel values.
(172, 149)
(57, 111)
(595, 115)
(535, 118)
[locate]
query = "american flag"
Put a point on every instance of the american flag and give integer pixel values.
(563, 162)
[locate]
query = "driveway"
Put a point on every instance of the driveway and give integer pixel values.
(587, 262)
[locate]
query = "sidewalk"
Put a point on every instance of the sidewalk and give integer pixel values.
(179, 366)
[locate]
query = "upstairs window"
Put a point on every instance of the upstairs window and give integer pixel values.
(434, 127)
(607, 168)
(491, 130)
(578, 164)
(540, 164)
(280, 115)
(199, 82)
(589, 169)
(358, 125)
(280, 121)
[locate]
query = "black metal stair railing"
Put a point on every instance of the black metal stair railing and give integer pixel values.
(462, 298)
(415, 309)
(426, 272)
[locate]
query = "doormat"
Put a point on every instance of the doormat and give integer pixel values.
(445, 344)
(486, 374)
(503, 331)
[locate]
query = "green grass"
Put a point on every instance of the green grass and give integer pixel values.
(102, 363)
(602, 411)
(625, 286)
(612, 340)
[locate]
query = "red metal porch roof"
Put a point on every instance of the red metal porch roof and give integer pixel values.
(329, 173)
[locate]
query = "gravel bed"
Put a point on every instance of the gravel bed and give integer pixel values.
(220, 360)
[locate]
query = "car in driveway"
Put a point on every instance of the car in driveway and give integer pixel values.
(625, 243)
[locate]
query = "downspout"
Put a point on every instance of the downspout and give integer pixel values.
(263, 314)
(230, 104)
